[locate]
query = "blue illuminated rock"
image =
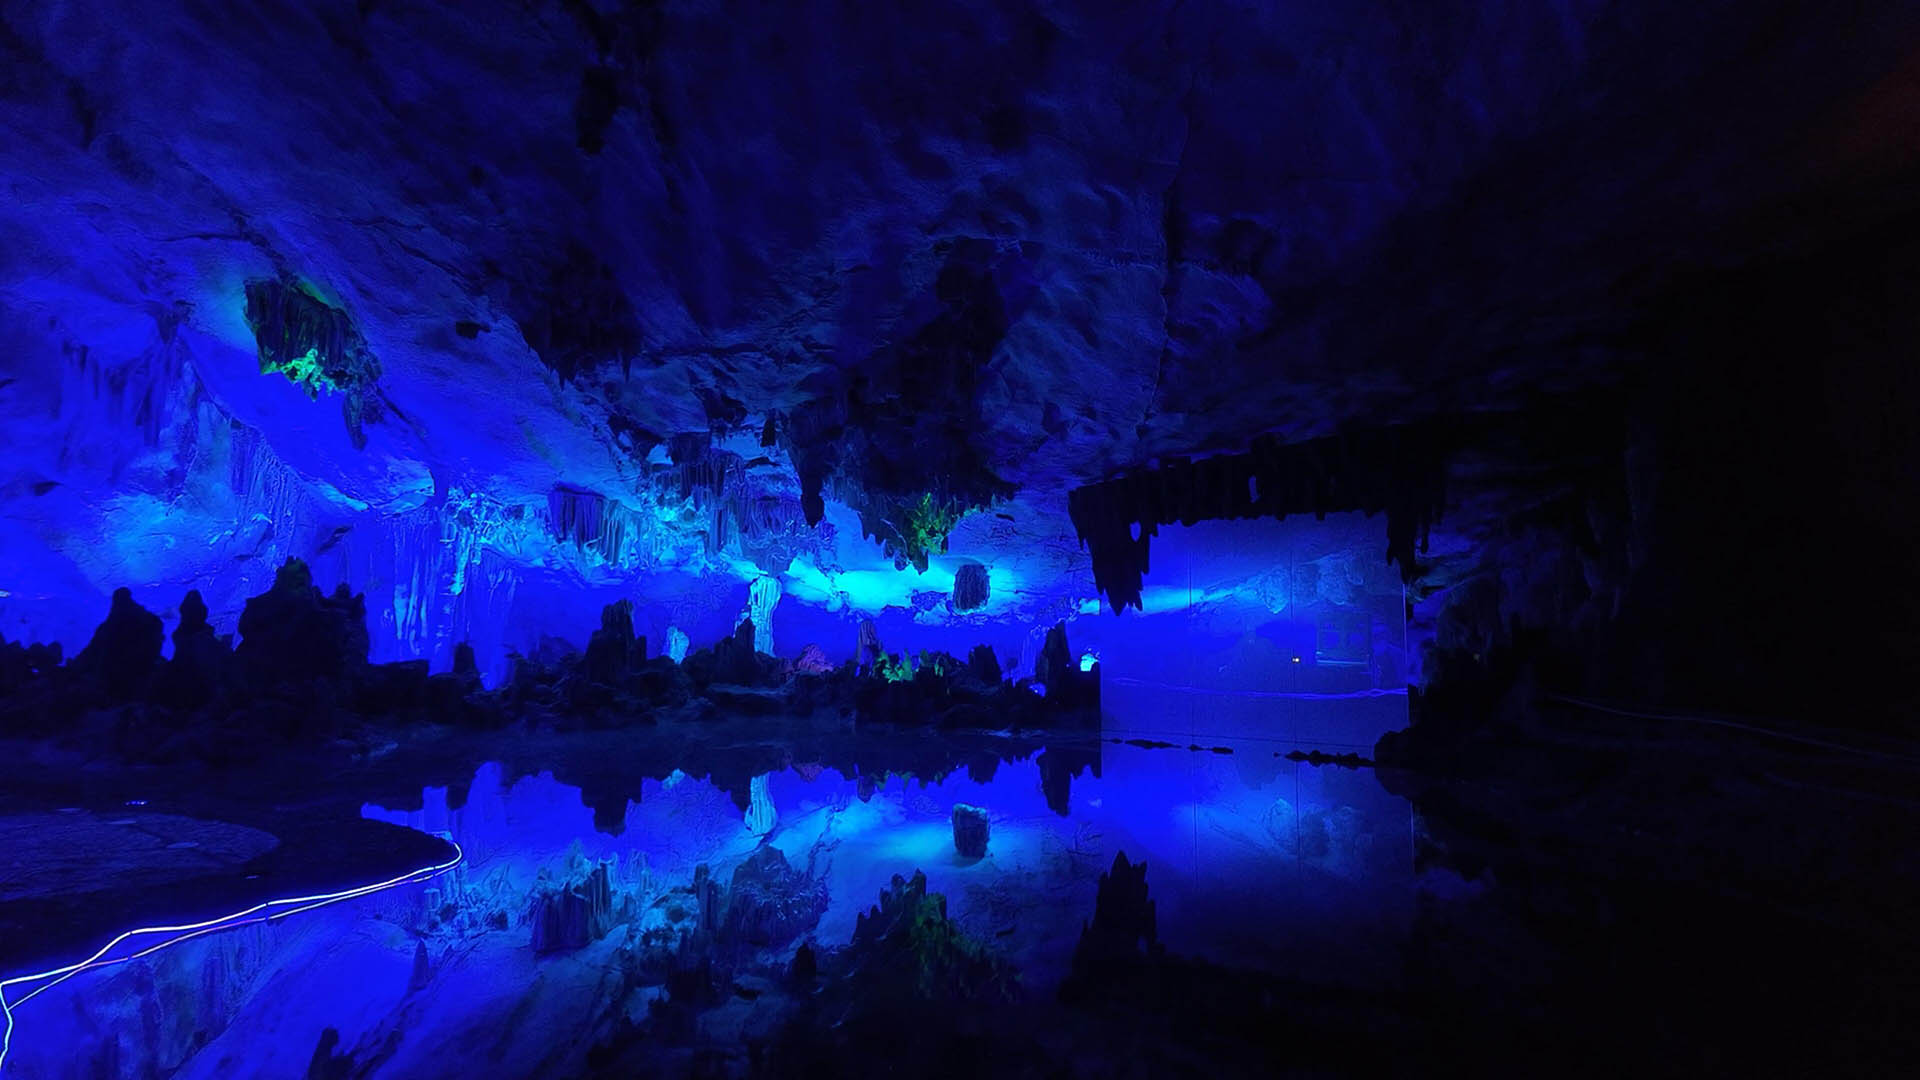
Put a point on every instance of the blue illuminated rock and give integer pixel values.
(906, 947)
(971, 587)
(572, 915)
(970, 831)
(867, 648)
(769, 902)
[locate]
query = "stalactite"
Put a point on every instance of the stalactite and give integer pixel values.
(470, 521)
(146, 394)
(576, 514)
(316, 346)
(415, 583)
(1399, 470)
(267, 491)
(621, 536)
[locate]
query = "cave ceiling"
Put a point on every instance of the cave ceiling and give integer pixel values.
(936, 265)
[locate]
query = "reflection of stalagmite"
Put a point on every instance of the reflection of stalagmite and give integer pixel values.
(422, 968)
(1030, 652)
(972, 585)
(970, 830)
(760, 815)
(573, 915)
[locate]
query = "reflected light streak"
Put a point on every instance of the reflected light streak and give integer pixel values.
(269, 911)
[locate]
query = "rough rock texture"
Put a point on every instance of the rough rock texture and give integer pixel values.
(761, 816)
(605, 289)
(906, 945)
(812, 661)
(868, 649)
(972, 585)
(770, 903)
(1401, 470)
(970, 831)
(572, 915)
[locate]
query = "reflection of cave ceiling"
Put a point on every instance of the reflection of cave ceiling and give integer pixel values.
(657, 281)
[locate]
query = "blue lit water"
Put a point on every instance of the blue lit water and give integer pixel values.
(1253, 860)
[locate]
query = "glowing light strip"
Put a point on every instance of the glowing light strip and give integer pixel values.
(259, 913)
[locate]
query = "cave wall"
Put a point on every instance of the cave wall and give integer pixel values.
(598, 290)
(1727, 530)
(1779, 474)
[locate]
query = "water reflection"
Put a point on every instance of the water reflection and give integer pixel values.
(1250, 855)
(1253, 860)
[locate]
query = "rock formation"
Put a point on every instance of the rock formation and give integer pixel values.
(613, 652)
(763, 595)
(125, 650)
(760, 813)
(970, 831)
(982, 665)
(971, 587)
(868, 650)
(905, 945)
(569, 916)
(812, 661)
(1056, 668)
(770, 903)
(201, 660)
(293, 634)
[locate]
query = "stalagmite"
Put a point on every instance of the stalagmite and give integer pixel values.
(762, 597)
(760, 813)
(970, 830)
(972, 585)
